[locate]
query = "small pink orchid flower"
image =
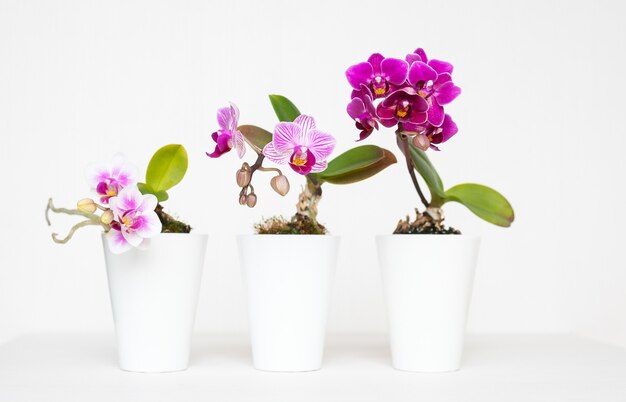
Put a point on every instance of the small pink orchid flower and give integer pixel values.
(134, 220)
(301, 145)
(228, 136)
(108, 179)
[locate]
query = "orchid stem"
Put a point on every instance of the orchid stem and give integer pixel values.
(402, 139)
(269, 169)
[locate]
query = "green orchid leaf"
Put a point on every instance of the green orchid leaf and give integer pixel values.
(284, 108)
(160, 195)
(166, 168)
(144, 188)
(255, 136)
(483, 201)
(428, 172)
(356, 164)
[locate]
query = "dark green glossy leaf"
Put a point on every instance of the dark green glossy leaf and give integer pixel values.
(166, 168)
(284, 108)
(356, 164)
(485, 202)
(255, 136)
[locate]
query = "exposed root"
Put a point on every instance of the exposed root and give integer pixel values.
(423, 224)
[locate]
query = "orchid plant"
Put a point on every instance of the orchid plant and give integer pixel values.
(411, 94)
(129, 211)
(298, 143)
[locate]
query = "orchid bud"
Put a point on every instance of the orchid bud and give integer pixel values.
(243, 177)
(86, 205)
(280, 184)
(421, 142)
(107, 217)
(242, 199)
(251, 201)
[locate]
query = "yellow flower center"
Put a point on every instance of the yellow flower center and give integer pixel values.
(300, 157)
(379, 91)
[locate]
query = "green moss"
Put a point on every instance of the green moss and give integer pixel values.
(299, 224)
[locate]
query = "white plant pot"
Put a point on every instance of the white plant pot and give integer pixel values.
(288, 279)
(427, 281)
(154, 293)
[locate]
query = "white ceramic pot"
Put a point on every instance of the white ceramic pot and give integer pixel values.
(427, 282)
(154, 293)
(288, 279)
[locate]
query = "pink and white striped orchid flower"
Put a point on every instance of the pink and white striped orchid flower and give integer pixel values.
(228, 136)
(301, 145)
(108, 179)
(134, 220)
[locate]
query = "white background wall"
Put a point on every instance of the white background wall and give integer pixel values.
(540, 119)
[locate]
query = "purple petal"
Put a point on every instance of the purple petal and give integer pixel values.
(435, 114)
(442, 79)
(375, 61)
(418, 117)
(150, 225)
(306, 167)
(116, 241)
(305, 122)
(388, 122)
(235, 117)
(319, 167)
(239, 143)
(386, 112)
(132, 237)
(359, 74)
(419, 104)
(421, 71)
(320, 144)
(448, 128)
(275, 156)
(395, 70)
(223, 140)
(422, 54)
(148, 204)
(412, 58)
(285, 136)
(225, 117)
(129, 198)
(356, 108)
(441, 66)
(413, 127)
(447, 93)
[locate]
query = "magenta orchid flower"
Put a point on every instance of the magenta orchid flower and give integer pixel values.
(110, 178)
(228, 136)
(432, 80)
(361, 108)
(402, 106)
(301, 145)
(431, 135)
(134, 219)
(379, 74)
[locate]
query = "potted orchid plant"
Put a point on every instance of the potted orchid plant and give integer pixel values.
(289, 295)
(427, 277)
(154, 264)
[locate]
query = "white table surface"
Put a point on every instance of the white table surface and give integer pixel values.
(75, 367)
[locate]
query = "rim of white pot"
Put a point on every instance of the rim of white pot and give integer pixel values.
(195, 234)
(289, 235)
(429, 235)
